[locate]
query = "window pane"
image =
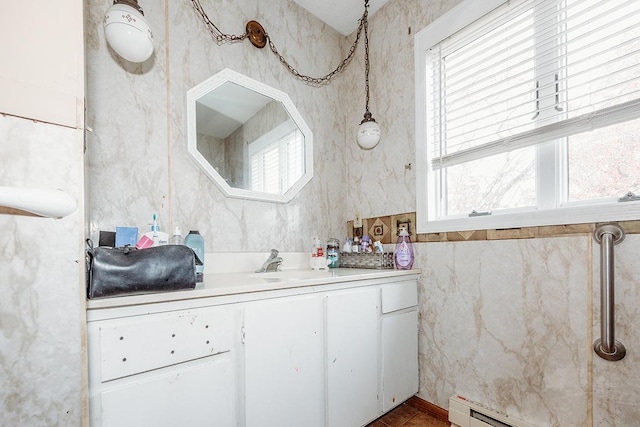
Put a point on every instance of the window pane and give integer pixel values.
(502, 181)
(605, 162)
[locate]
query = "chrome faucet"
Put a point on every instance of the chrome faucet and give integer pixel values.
(272, 263)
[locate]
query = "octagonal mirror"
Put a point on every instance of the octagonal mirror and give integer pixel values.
(248, 138)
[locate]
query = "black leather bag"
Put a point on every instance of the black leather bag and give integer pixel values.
(127, 271)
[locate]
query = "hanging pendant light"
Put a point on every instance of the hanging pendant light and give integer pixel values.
(127, 31)
(369, 131)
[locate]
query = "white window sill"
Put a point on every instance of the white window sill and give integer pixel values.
(626, 211)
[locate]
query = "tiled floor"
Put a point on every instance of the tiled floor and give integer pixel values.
(407, 416)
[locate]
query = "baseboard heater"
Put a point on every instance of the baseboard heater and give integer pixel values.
(466, 413)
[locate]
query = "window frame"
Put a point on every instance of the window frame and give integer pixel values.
(602, 210)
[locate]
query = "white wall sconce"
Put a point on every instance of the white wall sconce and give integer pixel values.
(127, 31)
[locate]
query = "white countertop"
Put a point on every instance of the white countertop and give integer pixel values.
(236, 283)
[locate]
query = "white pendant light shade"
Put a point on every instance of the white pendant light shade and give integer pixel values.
(368, 134)
(369, 131)
(127, 33)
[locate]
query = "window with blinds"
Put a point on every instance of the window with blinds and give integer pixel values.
(530, 107)
(277, 161)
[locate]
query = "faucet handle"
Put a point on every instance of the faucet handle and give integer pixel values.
(274, 253)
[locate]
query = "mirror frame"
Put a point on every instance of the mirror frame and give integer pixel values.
(228, 75)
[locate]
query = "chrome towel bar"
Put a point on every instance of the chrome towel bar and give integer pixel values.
(606, 346)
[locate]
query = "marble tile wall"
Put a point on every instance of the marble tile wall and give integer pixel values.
(506, 324)
(381, 181)
(616, 390)
(511, 324)
(42, 348)
(138, 159)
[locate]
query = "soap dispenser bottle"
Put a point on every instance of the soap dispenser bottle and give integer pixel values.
(195, 241)
(404, 251)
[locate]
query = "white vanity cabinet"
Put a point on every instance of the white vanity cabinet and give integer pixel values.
(163, 369)
(283, 362)
(325, 354)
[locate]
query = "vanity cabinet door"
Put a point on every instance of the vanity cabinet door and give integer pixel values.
(399, 337)
(399, 358)
(284, 364)
(352, 357)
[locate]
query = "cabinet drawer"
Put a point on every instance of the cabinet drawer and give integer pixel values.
(149, 342)
(399, 296)
(199, 395)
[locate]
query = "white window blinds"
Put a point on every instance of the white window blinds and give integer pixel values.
(533, 71)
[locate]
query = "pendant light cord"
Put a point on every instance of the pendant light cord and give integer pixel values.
(367, 114)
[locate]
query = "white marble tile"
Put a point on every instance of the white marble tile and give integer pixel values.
(41, 281)
(616, 390)
(505, 323)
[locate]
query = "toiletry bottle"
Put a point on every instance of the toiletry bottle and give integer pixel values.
(347, 245)
(333, 252)
(176, 239)
(195, 241)
(318, 261)
(404, 251)
(365, 244)
(317, 251)
(158, 237)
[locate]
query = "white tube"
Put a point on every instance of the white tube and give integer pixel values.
(40, 201)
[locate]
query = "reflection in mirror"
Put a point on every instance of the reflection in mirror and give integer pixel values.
(249, 138)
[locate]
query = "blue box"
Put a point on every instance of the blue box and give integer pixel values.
(126, 236)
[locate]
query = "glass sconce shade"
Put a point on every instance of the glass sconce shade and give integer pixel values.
(128, 33)
(368, 134)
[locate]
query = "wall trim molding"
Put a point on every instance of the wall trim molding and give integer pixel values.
(630, 227)
(389, 226)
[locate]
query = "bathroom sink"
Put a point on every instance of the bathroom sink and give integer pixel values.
(291, 275)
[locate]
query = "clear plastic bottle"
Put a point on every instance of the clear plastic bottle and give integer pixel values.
(176, 239)
(195, 241)
(404, 251)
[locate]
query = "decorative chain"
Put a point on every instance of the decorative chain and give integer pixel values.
(221, 37)
(215, 31)
(367, 113)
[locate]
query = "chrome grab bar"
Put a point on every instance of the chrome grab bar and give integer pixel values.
(606, 346)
